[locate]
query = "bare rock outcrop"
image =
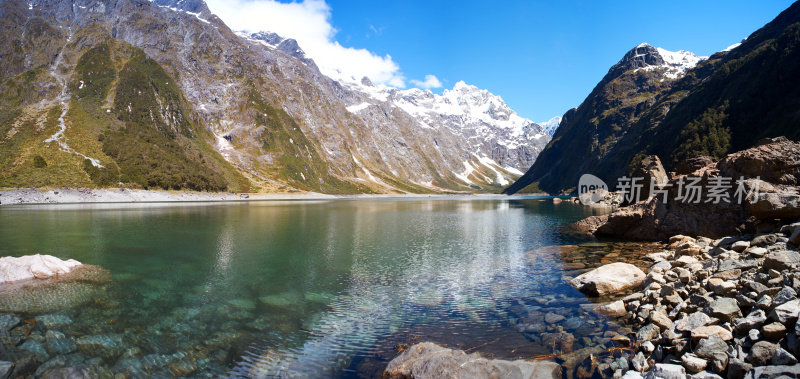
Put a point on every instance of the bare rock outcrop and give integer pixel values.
(428, 360)
(770, 173)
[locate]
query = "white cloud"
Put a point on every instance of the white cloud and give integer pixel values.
(309, 22)
(431, 81)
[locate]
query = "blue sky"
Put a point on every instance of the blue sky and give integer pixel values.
(542, 57)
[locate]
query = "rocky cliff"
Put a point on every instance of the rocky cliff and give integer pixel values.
(676, 106)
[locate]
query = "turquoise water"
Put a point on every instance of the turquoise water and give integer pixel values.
(306, 288)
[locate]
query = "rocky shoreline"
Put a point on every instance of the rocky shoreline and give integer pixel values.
(715, 308)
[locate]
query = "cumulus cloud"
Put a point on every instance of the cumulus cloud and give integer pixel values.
(431, 81)
(309, 22)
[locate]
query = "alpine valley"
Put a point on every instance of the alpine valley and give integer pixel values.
(162, 94)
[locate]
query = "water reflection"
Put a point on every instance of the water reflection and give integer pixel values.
(308, 288)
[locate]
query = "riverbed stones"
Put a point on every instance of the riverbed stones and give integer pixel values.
(428, 360)
(609, 279)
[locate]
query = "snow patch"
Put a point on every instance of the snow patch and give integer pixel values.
(358, 107)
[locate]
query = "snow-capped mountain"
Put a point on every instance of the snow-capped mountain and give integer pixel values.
(551, 125)
(495, 143)
(674, 63)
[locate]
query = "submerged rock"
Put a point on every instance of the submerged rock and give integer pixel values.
(82, 284)
(428, 360)
(609, 279)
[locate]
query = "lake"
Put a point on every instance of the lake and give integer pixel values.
(311, 288)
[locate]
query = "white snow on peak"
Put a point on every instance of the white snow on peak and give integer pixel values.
(551, 125)
(731, 47)
(676, 63)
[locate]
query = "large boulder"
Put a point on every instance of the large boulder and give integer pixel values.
(770, 171)
(15, 269)
(609, 279)
(428, 360)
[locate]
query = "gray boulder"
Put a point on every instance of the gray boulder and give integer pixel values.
(428, 360)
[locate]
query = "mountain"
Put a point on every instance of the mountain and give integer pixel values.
(493, 143)
(677, 105)
(551, 125)
(163, 94)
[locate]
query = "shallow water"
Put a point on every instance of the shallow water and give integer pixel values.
(315, 288)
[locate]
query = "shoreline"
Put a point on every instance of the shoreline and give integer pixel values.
(34, 196)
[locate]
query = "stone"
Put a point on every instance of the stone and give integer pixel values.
(6, 368)
(706, 347)
(786, 313)
(692, 363)
(648, 332)
(8, 322)
(756, 252)
(794, 239)
(666, 371)
(15, 269)
(609, 279)
(553, 318)
(53, 320)
(774, 372)
(781, 260)
(761, 353)
(58, 343)
(631, 374)
(693, 321)
(660, 319)
(428, 360)
(711, 330)
(705, 375)
(783, 357)
(783, 296)
(724, 308)
(639, 362)
(613, 309)
(740, 246)
(765, 240)
(35, 348)
(737, 368)
(108, 345)
(728, 275)
(720, 286)
(774, 331)
(764, 303)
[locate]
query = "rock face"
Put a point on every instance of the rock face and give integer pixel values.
(655, 220)
(609, 279)
(428, 360)
(14, 269)
(636, 109)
